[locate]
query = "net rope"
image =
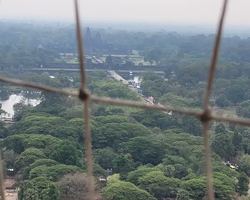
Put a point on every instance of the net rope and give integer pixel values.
(205, 116)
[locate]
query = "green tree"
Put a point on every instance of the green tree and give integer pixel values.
(113, 90)
(175, 166)
(153, 119)
(168, 170)
(67, 153)
(154, 55)
(246, 145)
(104, 157)
(98, 171)
(235, 93)
(112, 134)
(191, 125)
(243, 182)
(4, 132)
(46, 143)
(222, 101)
(111, 119)
(243, 109)
(19, 110)
(27, 157)
(27, 191)
(196, 70)
(51, 99)
(224, 186)
(223, 146)
(45, 162)
(123, 191)
(145, 150)
(223, 169)
(182, 194)
(172, 160)
(40, 183)
(220, 128)
(51, 193)
(109, 60)
(195, 187)
(14, 143)
(237, 141)
(43, 122)
(9, 158)
(244, 164)
(123, 164)
(247, 95)
(134, 176)
(168, 73)
(113, 179)
(54, 172)
(158, 185)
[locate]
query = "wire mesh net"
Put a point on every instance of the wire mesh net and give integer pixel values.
(205, 116)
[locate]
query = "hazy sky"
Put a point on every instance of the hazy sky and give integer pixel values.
(170, 11)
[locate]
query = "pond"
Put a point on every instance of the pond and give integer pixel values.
(8, 99)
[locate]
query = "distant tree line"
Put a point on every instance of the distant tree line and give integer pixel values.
(25, 46)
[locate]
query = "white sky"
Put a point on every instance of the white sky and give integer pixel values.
(173, 11)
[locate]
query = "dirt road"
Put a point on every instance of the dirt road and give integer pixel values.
(10, 194)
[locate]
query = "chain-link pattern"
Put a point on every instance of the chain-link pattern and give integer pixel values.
(205, 116)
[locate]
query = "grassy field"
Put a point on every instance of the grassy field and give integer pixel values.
(134, 57)
(72, 62)
(226, 112)
(135, 52)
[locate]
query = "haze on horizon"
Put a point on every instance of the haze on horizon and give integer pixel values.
(203, 12)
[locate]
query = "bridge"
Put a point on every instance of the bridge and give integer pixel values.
(117, 77)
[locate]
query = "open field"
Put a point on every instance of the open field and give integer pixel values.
(135, 52)
(73, 62)
(134, 57)
(226, 112)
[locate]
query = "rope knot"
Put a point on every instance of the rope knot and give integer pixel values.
(206, 116)
(83, 95)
